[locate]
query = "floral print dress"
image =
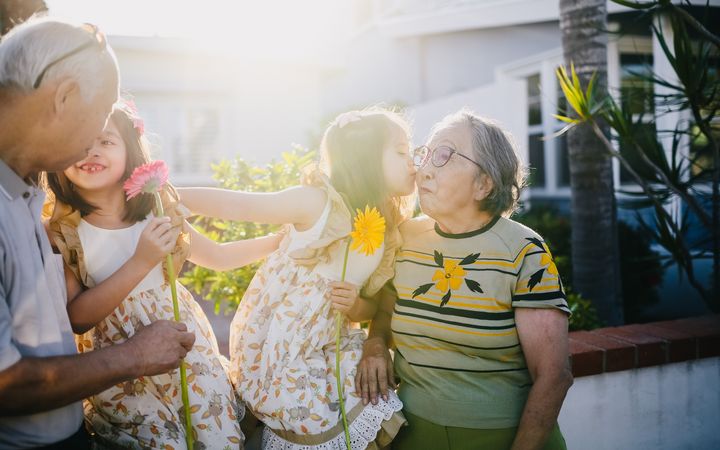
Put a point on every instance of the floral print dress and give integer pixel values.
(147, 412)
(282, 341)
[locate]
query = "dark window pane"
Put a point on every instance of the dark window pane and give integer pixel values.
(534, 113)
(636, 92)
(646, 136)
(536, 148)
(533, 92)
(533, 85)
(563, 163)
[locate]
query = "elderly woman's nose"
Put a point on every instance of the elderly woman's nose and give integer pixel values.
(425, 171)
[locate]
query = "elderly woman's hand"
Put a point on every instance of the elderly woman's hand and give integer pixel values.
(374, 371)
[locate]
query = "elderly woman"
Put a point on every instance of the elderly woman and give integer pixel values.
(476, 311)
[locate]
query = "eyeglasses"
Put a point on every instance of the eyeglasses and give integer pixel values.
(439, 157)
(98, 41)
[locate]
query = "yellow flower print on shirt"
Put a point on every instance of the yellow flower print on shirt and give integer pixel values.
(546, 261)
(451, 274)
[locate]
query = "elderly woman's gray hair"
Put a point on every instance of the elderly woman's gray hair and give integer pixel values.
(494, 149)
(37, 44)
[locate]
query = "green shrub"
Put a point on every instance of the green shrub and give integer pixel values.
(640, 266)
(226, 289)
(554, 228)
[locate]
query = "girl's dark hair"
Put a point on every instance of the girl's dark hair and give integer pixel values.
(136, 147)
(352, 152)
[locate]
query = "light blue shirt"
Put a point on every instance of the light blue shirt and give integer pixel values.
(33, 315)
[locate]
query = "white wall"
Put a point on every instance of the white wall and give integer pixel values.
(376, 66)
(372, 68)
(504, 101)
(459, 61)
(262, 107)
(673, 406)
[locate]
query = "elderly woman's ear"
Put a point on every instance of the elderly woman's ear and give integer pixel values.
(483, 187)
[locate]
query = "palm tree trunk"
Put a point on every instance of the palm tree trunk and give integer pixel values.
(595, 253)
(13, 12)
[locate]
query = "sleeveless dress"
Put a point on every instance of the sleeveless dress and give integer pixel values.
(282, 339)
(147, 412)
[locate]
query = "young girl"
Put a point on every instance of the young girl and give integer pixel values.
(116, 284)
(282, 341)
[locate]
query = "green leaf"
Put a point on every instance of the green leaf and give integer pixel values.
(535, 279)
(422, 289)
(634, 5)
(566, 86)
(565, 119)
(446, 298)
(537, 242)
(590, 92)
(563, 130)
(438, 258)
(469, 259)
(473, 285)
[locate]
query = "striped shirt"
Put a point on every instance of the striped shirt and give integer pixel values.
(457, 349)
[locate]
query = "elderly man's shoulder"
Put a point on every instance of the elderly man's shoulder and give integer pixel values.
(416, 225)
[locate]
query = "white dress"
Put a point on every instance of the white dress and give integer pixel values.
(282, 347)
(147, 412)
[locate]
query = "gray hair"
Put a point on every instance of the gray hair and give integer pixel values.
(29, 47)
(494, 149)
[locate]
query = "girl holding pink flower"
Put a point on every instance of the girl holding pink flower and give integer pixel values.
(113, 248)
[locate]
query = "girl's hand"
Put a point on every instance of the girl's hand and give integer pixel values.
(343, 295)
(156, 241)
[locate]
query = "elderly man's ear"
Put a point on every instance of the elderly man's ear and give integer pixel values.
(66, 93)
(483, 187)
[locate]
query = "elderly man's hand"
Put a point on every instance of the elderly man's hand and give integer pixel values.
(159, 347)
(375, 371)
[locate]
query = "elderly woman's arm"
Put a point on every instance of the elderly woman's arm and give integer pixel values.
(544, 339)
(375, 370)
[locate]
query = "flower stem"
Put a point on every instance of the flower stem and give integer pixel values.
(176, 314)
(338, 323)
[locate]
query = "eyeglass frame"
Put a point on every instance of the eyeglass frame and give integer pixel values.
(98, 39)
(431, 152)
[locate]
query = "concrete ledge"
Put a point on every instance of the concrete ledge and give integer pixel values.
(643, 345)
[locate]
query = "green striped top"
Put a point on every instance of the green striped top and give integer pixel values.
(458, 355)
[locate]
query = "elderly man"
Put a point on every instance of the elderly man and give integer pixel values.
(58, 83)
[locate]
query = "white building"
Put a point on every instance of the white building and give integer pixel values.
(202, 105)
(496, 57)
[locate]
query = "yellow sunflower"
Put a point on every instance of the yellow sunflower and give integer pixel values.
(452, 275)
(368, 231)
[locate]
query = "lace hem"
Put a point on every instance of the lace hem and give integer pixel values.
(363, 430)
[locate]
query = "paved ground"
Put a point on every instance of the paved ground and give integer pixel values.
(220, 324)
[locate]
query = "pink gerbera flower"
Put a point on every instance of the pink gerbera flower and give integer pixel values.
(148, 178)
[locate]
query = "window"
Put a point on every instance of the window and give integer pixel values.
(186, 133)
(199, 142)
(547, 155)
(636, 98)
(536, 146)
